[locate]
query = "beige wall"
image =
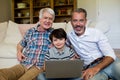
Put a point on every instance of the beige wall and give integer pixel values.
(90, 6)
(5, 10)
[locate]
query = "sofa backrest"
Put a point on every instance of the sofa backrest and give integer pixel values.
(3, 29)
(24, 27)
(12, 27)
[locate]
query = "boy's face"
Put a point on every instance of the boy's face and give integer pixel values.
(59, 43)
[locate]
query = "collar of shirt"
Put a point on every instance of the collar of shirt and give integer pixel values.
(37, 28)
(58, 52)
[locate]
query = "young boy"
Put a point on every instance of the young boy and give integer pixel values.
(60, 51)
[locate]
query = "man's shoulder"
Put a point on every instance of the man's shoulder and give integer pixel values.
(68, 49)
(70, 33)
(93, 30)
(50, 29)
(31, 29)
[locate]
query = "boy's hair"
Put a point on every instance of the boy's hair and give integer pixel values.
(58, 33)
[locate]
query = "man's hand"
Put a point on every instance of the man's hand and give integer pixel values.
(20, 56)
(77, 56)
(89, 73)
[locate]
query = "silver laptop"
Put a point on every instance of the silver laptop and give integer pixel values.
(63, 68)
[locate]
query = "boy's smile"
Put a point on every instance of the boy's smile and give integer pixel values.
(59, 43)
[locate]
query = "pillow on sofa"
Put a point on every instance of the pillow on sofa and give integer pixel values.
(3, 28)
(69, 27)
(24, 27)
(13, 34)
(59, 25)
(102, 26)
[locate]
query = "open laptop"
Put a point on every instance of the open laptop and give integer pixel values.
(63, 68)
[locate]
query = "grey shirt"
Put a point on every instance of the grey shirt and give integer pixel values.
(54, 54)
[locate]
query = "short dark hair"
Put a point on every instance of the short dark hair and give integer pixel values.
(58, 33)
(79, 10)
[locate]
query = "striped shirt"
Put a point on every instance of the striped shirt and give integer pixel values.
(36, 44)
(54, 54)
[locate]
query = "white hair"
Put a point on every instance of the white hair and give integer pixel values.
(49, 10)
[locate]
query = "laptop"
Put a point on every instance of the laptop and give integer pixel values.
(63, 68)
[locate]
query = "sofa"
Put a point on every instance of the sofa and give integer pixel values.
(11, 33)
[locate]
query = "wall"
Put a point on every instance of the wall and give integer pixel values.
(90, 6)
(108, 11)
(5, 10)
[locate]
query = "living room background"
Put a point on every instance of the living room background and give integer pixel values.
(98, 10)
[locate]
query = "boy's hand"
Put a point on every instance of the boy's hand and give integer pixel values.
(77, 56)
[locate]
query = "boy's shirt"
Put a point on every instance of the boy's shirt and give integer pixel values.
(54, 54)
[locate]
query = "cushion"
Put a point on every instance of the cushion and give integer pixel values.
(59, 25)
(13, 34)
(24, 27)
(103, 26)
(3, 28)
(69, 27)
